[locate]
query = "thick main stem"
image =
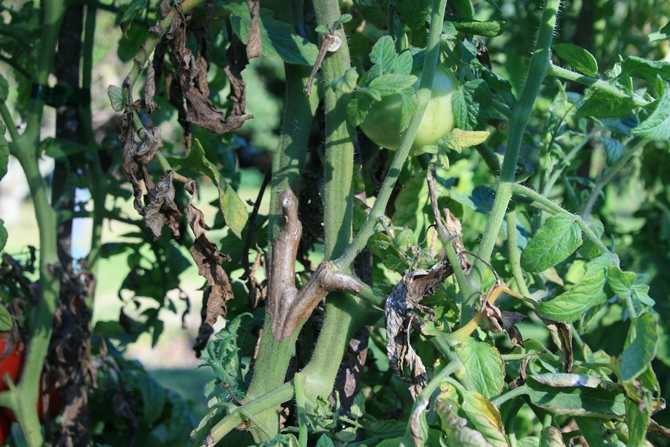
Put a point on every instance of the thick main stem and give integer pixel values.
(274, 355)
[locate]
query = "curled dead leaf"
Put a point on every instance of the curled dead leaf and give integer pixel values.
(400, 317)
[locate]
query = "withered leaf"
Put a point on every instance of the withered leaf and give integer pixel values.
(161, 208)
(208, 258)
(150, 90)
(561, 334)
(400, 317)
(192, 78)
(503, 322)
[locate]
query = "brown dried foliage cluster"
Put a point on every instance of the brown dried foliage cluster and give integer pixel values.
(188, 91)
(70, 356)
(400, 318)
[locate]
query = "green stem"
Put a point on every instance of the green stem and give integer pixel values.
(9, 122)
(538, 69)
(272, 399)
(40, 324)
(609, 174)
(489, 157)
(594, 82)
(516, 392)
(379, 207)
(514, 255)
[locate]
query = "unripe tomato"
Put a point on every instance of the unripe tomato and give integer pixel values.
(382, 124)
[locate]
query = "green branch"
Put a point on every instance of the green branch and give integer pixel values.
(538, 69)
(597, 83)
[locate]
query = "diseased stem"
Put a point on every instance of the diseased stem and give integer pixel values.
(609, 174)
(538, 69)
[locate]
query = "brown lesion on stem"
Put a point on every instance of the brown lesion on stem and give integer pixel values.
(288, 305)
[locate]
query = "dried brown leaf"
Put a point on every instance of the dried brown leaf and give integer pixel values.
(192, 78)
(161, 208)
(500, 322)
(255, 43)
(400, 317)
(208, 258)
(150, 90)
(561, 334)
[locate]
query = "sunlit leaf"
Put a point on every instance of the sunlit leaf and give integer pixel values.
(484, 366)
(657, 126)
(588, 292)
(580, 59)
(640, 347)
(554, 241)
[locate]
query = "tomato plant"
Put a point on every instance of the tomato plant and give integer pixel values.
(497, 287)
(383, 123)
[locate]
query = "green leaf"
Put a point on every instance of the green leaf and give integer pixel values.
(578, 58)
(491, 28)
(278, 38)
(554, 242)
(603, 104)
(3, 235)
(414, 12)
(595, 431)
(589, 248)
(471, 104)
(485, 417)
(484, 365)
(344, 18)
(663, 34)
(389, 84)
(576, 401)
(152, 393)
(383, 54)
(410, 203)
(324, 441)
(4, 89)
(551, 437)
(6, 321)
(116, 97)
(179, 424)
(588, 292)
(232, 207)
(637, 419)
(403, 63)
(4, 151)
(358, 109)
(136, 7)
(638, 67)
(614, 149)
(620, 282)
(641, 349)
(657, 126)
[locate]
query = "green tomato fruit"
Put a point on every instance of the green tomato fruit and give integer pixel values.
(382, 124)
